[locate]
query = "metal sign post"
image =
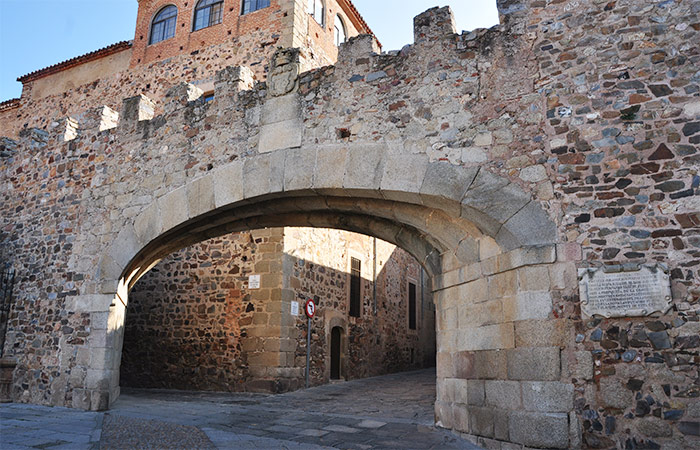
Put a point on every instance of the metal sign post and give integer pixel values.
(309, 309)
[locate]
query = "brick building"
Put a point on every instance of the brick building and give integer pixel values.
(182, 40)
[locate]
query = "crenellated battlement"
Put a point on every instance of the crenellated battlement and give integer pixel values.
(505, 160)
(432, 28)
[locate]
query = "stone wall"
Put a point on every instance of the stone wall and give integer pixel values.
(192, 56)
(194, 324)
(152, 79)
(188, 318)
(565, 138)
(317, 267)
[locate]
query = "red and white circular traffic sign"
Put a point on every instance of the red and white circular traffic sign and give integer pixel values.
(310, 308)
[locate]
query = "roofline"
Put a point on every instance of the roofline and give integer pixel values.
(78, 60)
(9, 104)
(350, 7)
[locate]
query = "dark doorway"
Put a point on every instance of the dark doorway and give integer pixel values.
(335, 353)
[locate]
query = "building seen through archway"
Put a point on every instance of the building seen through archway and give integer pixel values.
(209, 317)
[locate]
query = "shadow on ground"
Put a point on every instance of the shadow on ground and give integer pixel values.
(388, 412)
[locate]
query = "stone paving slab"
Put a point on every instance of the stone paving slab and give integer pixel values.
(30, 426)
(390, 412)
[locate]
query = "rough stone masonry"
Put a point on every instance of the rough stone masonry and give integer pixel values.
(503, 160)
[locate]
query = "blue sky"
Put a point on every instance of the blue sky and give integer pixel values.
(38, 33)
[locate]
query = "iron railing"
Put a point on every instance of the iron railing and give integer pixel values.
(7, 283)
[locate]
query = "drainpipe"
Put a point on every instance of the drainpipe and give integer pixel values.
(374, 275)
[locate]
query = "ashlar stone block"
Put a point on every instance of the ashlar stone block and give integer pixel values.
(148, 224)
(173, 208)
(503, 394)
(256, 176)
(548, 430)
(541, 333)
(364, 168)
(281, 135)
(445, 185)
(548, 396)
(403, 177)
(125, 246)
(299, 168)
(491, 200)
(536, 364)
(528, 305)
(517, 231)
(200, 196)
(228, 184)
(481, 420)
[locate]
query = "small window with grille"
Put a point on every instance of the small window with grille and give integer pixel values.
(208, 13)
(355, 284)
(163, 26)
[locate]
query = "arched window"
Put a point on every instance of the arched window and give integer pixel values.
(163, 26)
(208, 13)
(254, 5)
(318, 11)
(340, 35)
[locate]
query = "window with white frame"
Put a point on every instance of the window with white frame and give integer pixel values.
(318, 11)
(208, 13)
(340, 34)
(163, 25)
(254, 5)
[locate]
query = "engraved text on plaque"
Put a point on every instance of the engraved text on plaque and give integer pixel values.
(624, 293)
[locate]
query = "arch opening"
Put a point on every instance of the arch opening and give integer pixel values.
(227, 314)
(485, 245)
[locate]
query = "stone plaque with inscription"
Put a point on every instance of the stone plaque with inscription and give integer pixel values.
(615, 292)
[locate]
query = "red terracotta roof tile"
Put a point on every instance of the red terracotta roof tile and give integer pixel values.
(9, 104)
(97, 54)
(360, 18)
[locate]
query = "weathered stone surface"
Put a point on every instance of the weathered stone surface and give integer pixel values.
(445, 185)
(173, 208)
(540, 429)
(618, 144)
(614, 394)
(577, 365)
(280, 135)
(503, 394)
(537, 363)
(548, 396)
(228, 184)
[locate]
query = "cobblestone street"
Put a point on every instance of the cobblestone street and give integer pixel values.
(394, 411)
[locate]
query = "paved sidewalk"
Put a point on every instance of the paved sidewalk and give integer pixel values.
(389, 412)
(28, 426)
